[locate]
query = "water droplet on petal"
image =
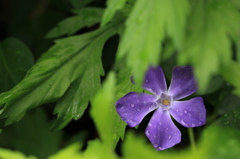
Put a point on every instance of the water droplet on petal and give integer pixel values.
(149, 124)
(170, 136)
(189, 114)
(147, 133)
(185, 111)
(132, 105)
(183, 122)
(160, 123)
(193, 125)
(138, 110)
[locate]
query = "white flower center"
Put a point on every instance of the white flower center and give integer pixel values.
(164, 101)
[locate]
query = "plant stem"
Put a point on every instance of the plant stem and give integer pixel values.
(192, 140)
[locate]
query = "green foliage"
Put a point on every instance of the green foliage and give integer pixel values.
(208, 47)
(8, 154)
(230, 119)
(85, 17)
(219, 142)
(109, 124)
(52, 76)
(231, 73)
(145, 30)
(112, 7)
(79, 4)
(71, 151)
(31, 135)
(68, 77)
(15, 60)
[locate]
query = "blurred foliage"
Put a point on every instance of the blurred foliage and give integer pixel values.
(47, 84)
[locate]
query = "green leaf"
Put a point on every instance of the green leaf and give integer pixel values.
(219, 142)
(230, 119)
(15, 60)
(109, 124)
(32, 129)
(31, 135)
(145, 30)
(228, 103)
(55, 74)
(99, 150)
(123, 83)
(85, 17)
(9, 154)
(79, 4)
(231, 73)
(71, 152)
(112, 7)
(208, 45)
(135, 146)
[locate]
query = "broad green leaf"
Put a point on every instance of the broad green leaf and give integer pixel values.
(31, 135)
(208, 45)
(124, 84)
(56, 73)
(79, 3)
(85, 17)
(231, 73)
(71, 152)
(145, 30)
(231, 119)
(112, 7)
(9, 154)
(108, 123)
(15, 60)
(220, 143)
(98, 150)
(228, 103)
(135, 146)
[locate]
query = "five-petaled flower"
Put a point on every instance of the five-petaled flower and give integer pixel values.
(161, 130)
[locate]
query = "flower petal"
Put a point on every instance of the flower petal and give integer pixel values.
(161, 130)
(133, 107)
(190, 113)
(155, 81)
(183, 82)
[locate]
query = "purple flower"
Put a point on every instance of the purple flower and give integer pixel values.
(161, 130)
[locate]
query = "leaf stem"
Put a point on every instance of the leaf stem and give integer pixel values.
(192, 140)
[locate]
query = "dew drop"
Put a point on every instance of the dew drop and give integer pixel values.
(189, 114)
(225, 122)
(170, 136)
(147, 133)
(149, 124)
(138, 110)
(183, 122)
(225, 115)
(160, 123)
(185, 111)
(132, 105)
